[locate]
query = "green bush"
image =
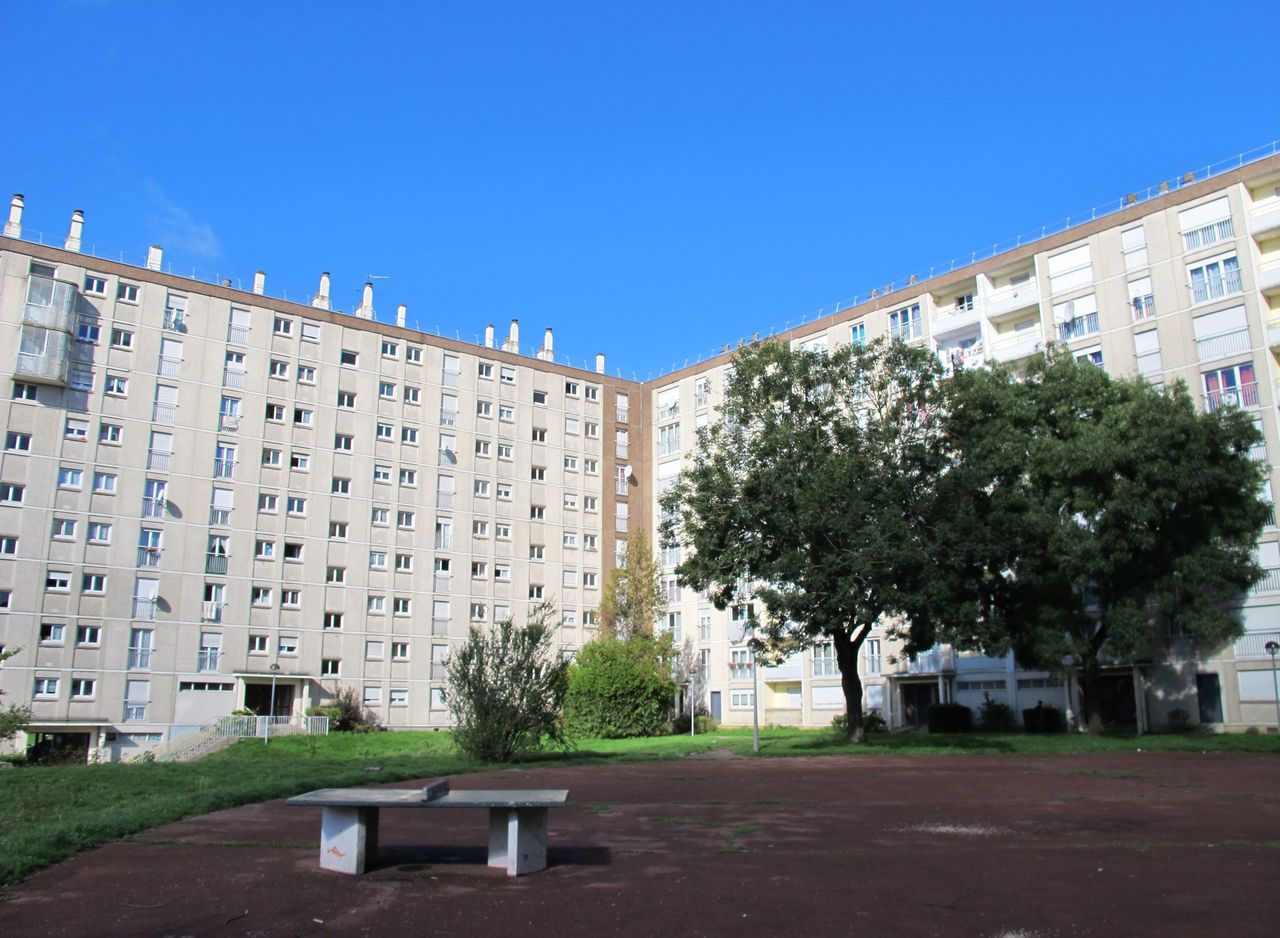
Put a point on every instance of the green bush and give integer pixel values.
(346, 713)
(506, 690)
(872, 722)
(620, 688)
(996, 717)
(950, 718)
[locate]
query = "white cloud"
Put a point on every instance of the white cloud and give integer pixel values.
(177, 228)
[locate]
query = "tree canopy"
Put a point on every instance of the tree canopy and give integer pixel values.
(810, 492)
(632, 599)
(1084, 512)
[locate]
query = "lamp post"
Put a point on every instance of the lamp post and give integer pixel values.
(1273, 648)
(271, 709)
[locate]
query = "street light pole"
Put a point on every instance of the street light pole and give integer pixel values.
(271, 709)
(755, 702)
(1273, 648)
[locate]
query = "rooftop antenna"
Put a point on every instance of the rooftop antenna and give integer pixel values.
(378, 277)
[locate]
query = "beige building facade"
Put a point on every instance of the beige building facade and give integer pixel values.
(208, 493)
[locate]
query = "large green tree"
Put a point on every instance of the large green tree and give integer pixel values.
(811, 492)
(13, 718)
(1084, 512)
(632, 599)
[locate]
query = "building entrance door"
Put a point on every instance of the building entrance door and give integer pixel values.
(916, 701)
(1209, 690)
(257, 697)
(715, 705)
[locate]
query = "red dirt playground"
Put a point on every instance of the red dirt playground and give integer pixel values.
(1127, 844)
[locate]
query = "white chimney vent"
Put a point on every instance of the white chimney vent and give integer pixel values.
(547, 352)
(402, 311)
(73, 235)
(600, 363)
(13, 227)
(488, 336)
(513, 338)
(260, 282)
(366, 302)
(321, 299)
(155, 257)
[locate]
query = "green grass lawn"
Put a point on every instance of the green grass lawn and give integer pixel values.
(50, 812)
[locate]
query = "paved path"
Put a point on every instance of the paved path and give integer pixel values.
(1125, 844)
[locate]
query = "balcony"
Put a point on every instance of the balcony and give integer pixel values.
(448, 418)
(1270, 582)
(439, 671)
(207, 659)
(175, 320)
(148, 556)
(441, 584)
(211, 611)
(439, 626)
(1266, 221)
(153, 507)
(50, 303)
(229, 423)
(1078, 328)
(956, 359)
(1010, 300)
(223, 468)
(1246, 396)
(144, 607)
(220, 517)
(1269, 278)
(139, 659)
(134, 712)
(949, 319)
(1216, 286)
(169, 367)
(158, 459)
(937, 660)
(232, 379)
(1150, 364)
(1223, 344)
(1019, 344)
(789, 670)
(449, 379)
(1258, 452)
(1254, 644)
(215, 563)
(237, 335)
(444, 499)
(47, 367)
(164, 413)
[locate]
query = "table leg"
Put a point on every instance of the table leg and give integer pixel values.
(348, 839)
(518, 839)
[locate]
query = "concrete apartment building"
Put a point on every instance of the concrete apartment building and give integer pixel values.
(206, 491)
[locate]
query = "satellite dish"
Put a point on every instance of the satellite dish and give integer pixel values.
(627, 469)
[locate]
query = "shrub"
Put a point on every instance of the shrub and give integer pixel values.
(950, 718)
(872, 722)
(1179, 721)
(995, 716)
(346, 713)
(1042, 719)
(506, 689)
(620, 688)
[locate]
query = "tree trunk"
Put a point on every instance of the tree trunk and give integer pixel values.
(1090, 680)
(847, 646)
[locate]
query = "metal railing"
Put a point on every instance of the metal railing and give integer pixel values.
(229, 423)
(164, 413)
(448, 418)
(1144, 307)
(175, 320)
(148, 556)
(449, 379)
(933, 661)
(1270, 582)
(1216, 285)
(238, 335)
(153, 507)
(1246, 395)
(1078, 327)
(444, 499)
(144, 608)
(1149, 363)
(207, 659)
(232, 379)
(169, 367)
(439, 626)
(220, 516)
(1223, 344)
(215, 563)
(211, 611)
(222, 468)
(1254, 644)
(158, 459)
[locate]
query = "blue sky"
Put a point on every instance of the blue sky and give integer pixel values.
(650, 179)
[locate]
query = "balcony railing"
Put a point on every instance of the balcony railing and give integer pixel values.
(144, 607)
(1144, 307)
(139, 659)
(207, 659)
(1018, 344)
(448, 418)
(153, 508)
(164, 413)
(175, 320)
(933, 661)
(1246, 395)
(220, 516)
(158, 459)
(148, 556)
(671, 410)
(169, 367)
(229, 423)
(444, 541)
(1254, 644)
(51, 366)
(134, 712)
(1258, 452)
(449, 379)
(444, 499)
(1149, 363)
(1135, 258)
(211, 611)
(439, 626)
(624, 450)
(223, 468)
(439, 671)
(238, 335)
(441, 583)
(1270, 582)
(1223, 344)
(1216, 285)
(232, 379)
(1078, 327)
(215, 563)
(622, 415)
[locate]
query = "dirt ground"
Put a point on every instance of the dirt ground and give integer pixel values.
(1130, 844)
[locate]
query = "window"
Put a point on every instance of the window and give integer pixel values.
(413, 354)
(399, 651)
(380, 516)
(95, 284)
(349, 358)
(275, 413)
(88, 331)
(857, 336)
(412, 395)
(104, 483)
(257, 644)
(381, 473)
(506, 412)
(277, 369)
(669, 439)
(373, 696)
(570, 501)
(333, 620)
(479, 528)
(11, 493)
(76, 429)
(401, 606)
(824, 660)
(88, 635)
(390, 349)
(335, 575)
(704, 626)
(591, 429)
(46, 687)
(69, 478)
(742, 699)
(571, 426)
(307, 375)
(1142, 298)
(535, 592)
(590, 542)
(385, 432)
(264, 550)
(505, 451)
(507, 374)
(502, 572)
(404, 563)
(590, 580)
(292, 551)
(539, 435)
(346, 399)
(127, 292)
(387, 390)
(537, 512)
(282, 326)
(99, 532)
(538, 474)
(296, 505)
(404, 519)
(1236, 386)
(484, 409)
(57, 581)
(290, 598)
(591, 466)
(481, 488)
(376, 604)
(302, 416)
(52, 633)
(17, 442)
(504, 490)
(287, 645)
(905, 323)
(1215, 278)
(116, 386)
(64, 528)
(338, 530)
(330, 667)
(502, 530)
(1206, 224)
(478, 612)
(340, 486)
(482, 447)
(260, 596)
(536, 551)
(484, 370)
(1070, 270)
(590, 503)
(592, 392)
(343, 442)
(409, 436)
(571, 464)
(24, 392)
(1076, 318)
(479, 569)
(121, 339)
